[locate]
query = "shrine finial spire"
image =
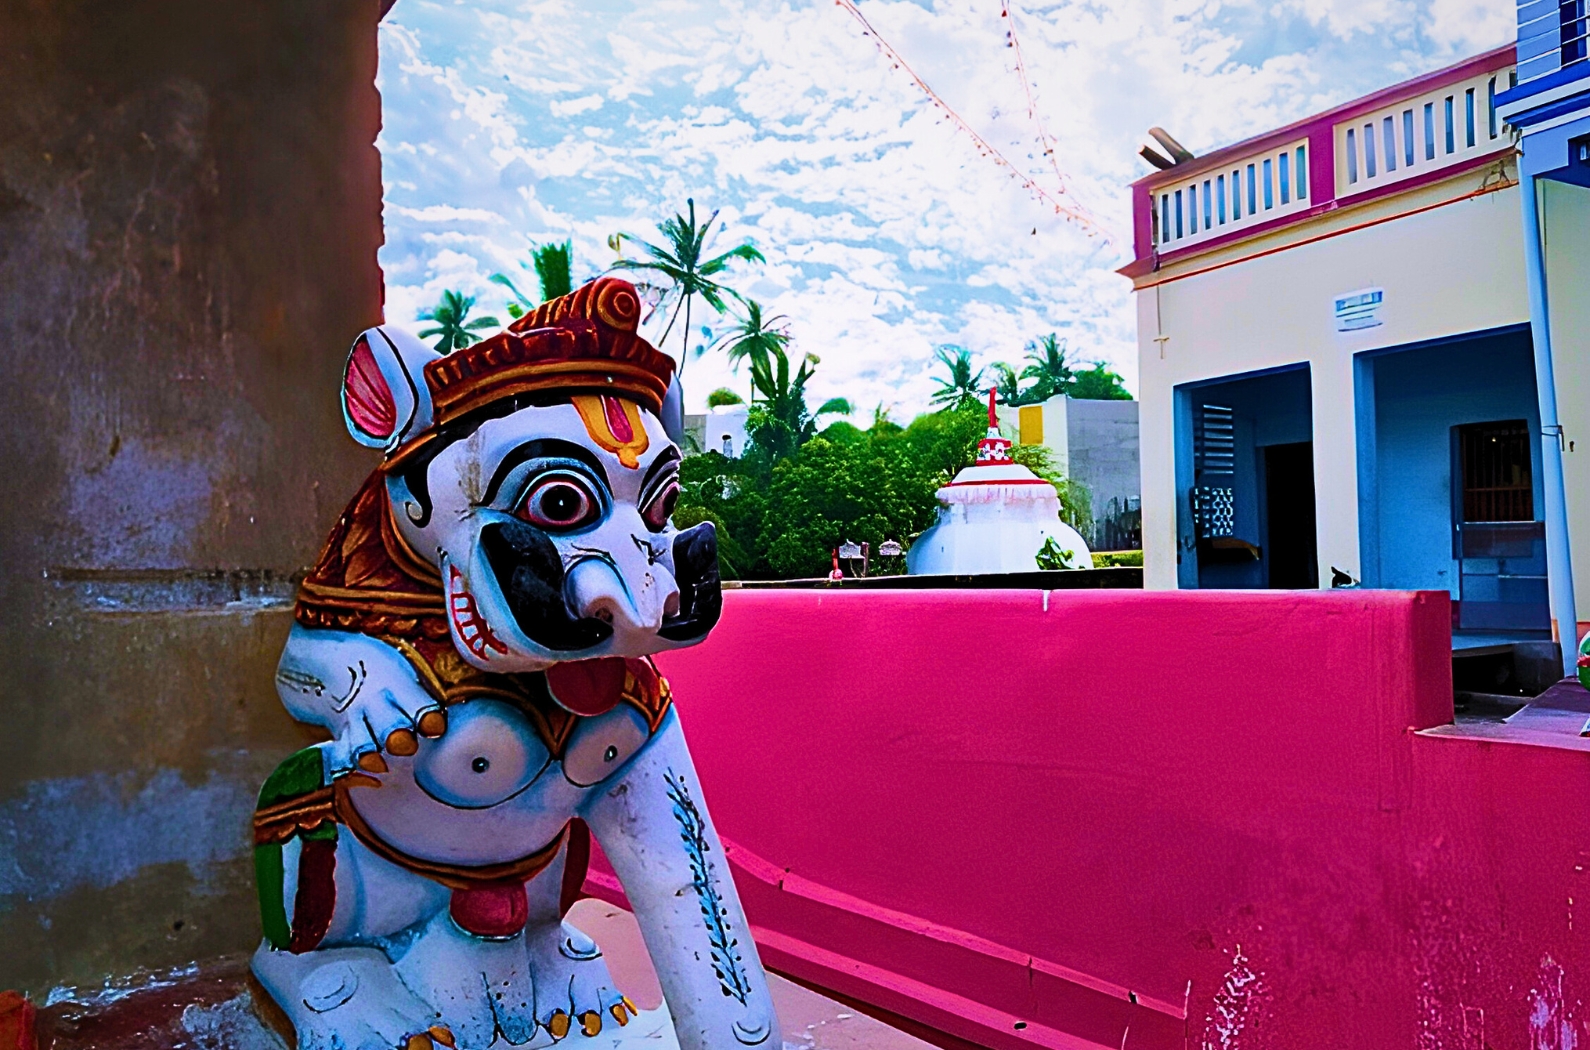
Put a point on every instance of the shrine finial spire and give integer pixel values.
(994, 448)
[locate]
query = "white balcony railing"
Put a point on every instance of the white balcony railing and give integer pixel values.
(1237, 196)
(1412, 137)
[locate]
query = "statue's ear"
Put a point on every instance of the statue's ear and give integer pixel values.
(384, 396)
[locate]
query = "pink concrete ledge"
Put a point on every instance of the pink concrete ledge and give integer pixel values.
(1104, 819)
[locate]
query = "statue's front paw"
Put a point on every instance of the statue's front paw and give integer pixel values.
(361, 689)
(480, 987)
(574, 991)
(348, 999)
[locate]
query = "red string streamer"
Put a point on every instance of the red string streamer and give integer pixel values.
(1044, 138)
(1071, 212)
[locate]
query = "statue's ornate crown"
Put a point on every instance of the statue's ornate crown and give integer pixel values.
(583, 342)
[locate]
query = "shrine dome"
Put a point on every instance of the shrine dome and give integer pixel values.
(995, 516)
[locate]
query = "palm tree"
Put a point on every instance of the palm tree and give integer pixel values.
(961, 388)
(680, 259)
(1048, 367)
(754, 336)
(449, 316)
(554, 268)
(1007, 383)
(780, 421)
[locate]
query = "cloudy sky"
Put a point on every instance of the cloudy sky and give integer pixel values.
(512, 123)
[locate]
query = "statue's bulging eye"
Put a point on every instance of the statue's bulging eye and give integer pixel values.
(560, 503)
(661, 507)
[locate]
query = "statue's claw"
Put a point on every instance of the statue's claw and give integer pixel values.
(433, 723)
(559, 1024)
(428, 1039)
(591, 1022)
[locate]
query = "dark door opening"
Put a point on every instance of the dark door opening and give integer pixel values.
(1498, 484)
(1289, 515)
(1499, 546)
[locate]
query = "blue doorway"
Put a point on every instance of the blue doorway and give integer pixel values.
(1245, 481)
(1449, 480)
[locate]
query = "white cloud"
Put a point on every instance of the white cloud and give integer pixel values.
(509, 123)
(575, 106)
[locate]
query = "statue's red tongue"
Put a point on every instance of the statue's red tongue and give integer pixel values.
(588, 687)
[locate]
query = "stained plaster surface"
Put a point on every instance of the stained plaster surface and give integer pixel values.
(189, 214)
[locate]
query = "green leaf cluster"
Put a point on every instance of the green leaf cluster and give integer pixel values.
(684, 261)
(553, 265)
(449, 321)
(1051, 374)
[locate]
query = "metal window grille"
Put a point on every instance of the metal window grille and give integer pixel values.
(1498, 484)
(1571, 33)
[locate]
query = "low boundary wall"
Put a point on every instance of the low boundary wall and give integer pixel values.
(1181, 819)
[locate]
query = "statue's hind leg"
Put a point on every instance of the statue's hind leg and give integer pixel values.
(342, 991)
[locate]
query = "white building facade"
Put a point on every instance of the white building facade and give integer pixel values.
(1336, 369)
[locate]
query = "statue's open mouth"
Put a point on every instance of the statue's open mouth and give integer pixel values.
(467, 621)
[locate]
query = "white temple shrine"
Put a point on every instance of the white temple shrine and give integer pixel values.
(995, 516)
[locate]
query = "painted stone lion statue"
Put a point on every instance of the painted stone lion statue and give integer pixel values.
(476, 636)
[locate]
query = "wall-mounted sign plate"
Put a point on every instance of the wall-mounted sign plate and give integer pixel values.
(1359, 310)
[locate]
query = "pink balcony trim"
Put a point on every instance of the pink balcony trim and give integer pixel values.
(1143, 266)
(1326, 121)
(1319, 130)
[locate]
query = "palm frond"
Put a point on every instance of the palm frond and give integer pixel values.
(554, 267)
(679, 258)
(507, 282)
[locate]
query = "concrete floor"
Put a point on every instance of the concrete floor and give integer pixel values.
(211, 1007)
(810, 1021)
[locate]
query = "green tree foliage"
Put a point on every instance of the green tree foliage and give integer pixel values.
(723, 397)
(1007, 383)
(554, 265)
(785, 513)
(1052, 374)
(1053, 556)
(1099, 384)
(754, 337)
(960, 386)
(779, 421)
(682, 259)
(1047, 367)
(451, 324)
(554, 269)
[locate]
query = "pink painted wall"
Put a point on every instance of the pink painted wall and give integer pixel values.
(1178, 819)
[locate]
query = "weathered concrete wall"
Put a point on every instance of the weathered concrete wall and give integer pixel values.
(1103, 440)
(189, 217)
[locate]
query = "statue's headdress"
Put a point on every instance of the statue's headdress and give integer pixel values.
(399, 394)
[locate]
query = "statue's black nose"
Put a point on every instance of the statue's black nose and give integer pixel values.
(529, 571)
(700, 588)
